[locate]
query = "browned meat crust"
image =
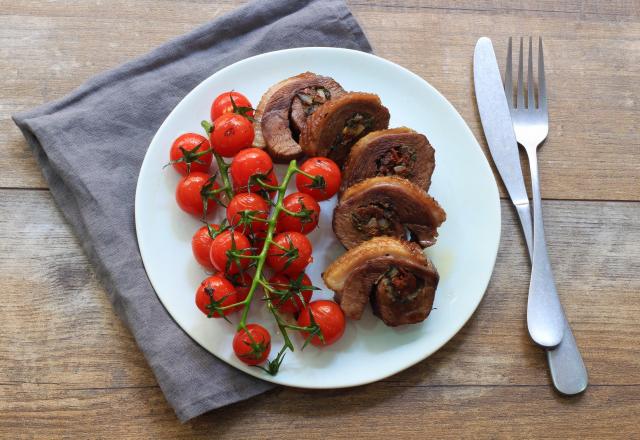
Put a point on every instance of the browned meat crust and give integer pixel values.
(335, 126)
(395, 275)
(272, 126)
(397, 151)
(385, 206)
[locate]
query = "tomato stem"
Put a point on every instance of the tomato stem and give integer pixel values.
(262, 257)
(268, 186)
(310, 176)
(223, 167)
(259, 280)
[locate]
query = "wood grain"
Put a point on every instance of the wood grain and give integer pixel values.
(70, 369)
(67, 351)
(593, 151)
(381, 410)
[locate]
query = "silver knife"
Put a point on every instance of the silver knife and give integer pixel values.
(568, 372)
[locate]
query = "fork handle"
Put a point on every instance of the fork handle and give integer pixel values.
(545, 318)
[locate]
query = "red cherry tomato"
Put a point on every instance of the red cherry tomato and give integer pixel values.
(201, 246)
(231, 133)
(253, 345)
(223, 244)
(215, 292)
(303, 204)
(189, 193)
(290, 295)
(290, 253)
(242, 208)
(191, 159)
(247, 166)
(222, 104)
(329, 317)
(242, 283)
(328, 180)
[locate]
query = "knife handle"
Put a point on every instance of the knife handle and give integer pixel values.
(568, 372)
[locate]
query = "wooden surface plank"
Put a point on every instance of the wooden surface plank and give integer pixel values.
(67, 353)
(402, 412)
(593, 151)
(69, 368)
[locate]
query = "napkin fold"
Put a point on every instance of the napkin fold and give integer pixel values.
(90, 146)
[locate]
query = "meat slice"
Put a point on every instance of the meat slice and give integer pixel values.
(398, 152)
(272, 124)
(335, 126)
(394, 274)
(307, 101)
(386, 206)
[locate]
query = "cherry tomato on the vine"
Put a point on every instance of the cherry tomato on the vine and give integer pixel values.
(201, 245)
(290, 253)
(253, 345)
(186, 153)
(329, 317)
(246, 211)
(327, 182)
(308, 212)
(231, 133)
(189, 193)
(226, 243)
(222, 104)
(242, 283)
(247, 166)
(215, 292)
(291, 293)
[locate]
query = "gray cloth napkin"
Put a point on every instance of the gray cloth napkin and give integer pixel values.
(90, 145)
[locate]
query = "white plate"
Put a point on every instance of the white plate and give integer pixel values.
(464, 255)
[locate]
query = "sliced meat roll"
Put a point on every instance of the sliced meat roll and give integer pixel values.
(272, 124)
(335, 126)
(394, 274)
(386, 205)
(307, 101)
(394, 152)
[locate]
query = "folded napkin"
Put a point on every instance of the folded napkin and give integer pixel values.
(91, 164)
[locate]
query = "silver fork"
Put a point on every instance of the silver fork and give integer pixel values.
(545, 318)
(566, 366)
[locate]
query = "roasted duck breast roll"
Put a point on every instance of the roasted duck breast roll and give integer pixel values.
(398, 152)
(272, 117)
(307, 101)
(336, 125)
(386, 206)
(395, 275)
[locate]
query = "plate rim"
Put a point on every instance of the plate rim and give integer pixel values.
(495, 196)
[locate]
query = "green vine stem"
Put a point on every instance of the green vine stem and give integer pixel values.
(223, 167)
(262, 257)
(259, 260)
(258, 280)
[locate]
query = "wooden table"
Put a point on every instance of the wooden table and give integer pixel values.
(68, 367)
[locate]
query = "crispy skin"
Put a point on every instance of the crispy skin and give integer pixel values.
(407, 206)
(355, 275)
(272, 127)
(327, 123)
(366, 155)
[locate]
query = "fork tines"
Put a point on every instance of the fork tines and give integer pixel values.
(508, 82)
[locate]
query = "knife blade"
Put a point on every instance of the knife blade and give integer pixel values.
(498, 130)
(568, 372)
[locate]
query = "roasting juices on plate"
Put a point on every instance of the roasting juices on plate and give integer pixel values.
(382, 176)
